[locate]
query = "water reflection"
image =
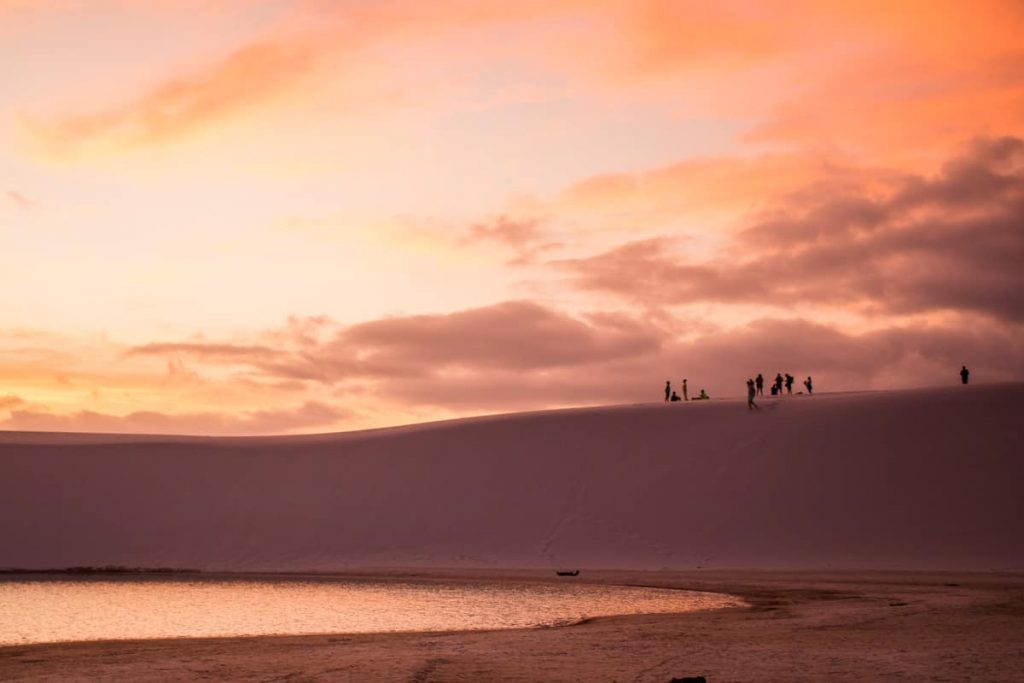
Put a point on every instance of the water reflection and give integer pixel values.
(36, 610)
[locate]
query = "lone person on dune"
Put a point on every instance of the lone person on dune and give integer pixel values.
(685, 396)
(751, 391)
(965, 374)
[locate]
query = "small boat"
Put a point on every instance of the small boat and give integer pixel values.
(572, 573)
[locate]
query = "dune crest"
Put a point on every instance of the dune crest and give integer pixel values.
(923, 479)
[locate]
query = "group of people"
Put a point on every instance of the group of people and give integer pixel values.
(671, 395)
(780, 382)
(755, 387)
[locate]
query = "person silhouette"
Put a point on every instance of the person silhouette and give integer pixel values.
(760, 384)
(809, 384)
(685, 396)
(789, 383)
(965, 374)
(703, 395)
(751, 391)
(778, 383)
(675, 397)
(668, 389)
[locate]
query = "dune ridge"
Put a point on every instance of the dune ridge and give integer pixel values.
(921, 479)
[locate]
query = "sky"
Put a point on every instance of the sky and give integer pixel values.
(256, 216)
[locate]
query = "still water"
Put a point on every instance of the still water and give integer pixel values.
(50, 609)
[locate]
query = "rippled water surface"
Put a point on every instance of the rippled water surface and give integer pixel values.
(46, 609)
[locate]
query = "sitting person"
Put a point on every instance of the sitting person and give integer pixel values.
(703, 395)
(675, 397)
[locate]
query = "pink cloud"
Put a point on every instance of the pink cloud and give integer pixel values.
(516, 233)
(19, 200)
(721, 362)
(512, 335)
(518, 356)
(524, 237)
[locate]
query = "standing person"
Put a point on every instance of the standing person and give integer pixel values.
(751, 390)
(668, 389)
(685, 396)
(789, 383)
(809, 385)
(965, 374)
(760, 384)
(778, 383)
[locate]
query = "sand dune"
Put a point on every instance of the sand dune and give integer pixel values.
(913, 479)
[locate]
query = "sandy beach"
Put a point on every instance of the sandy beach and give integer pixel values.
(838, 626)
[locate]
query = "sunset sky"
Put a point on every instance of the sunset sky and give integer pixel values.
(252, 216)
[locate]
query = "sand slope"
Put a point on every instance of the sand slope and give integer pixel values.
(913, 479)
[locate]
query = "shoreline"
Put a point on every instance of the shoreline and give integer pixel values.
(838, 625)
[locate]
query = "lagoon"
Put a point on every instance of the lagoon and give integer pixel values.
(58, 608)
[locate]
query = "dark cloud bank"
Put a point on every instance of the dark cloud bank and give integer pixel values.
(950, 243)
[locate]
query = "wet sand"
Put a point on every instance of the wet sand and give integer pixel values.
(850, 626)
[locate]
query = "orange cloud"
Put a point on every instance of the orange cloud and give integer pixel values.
(222, 352)
(308, 416)
(660, 37)
(259, 72)
(732, 183)
(251, 75)
(901, 113)
(910, 81)
(7, 402)
(814, 72)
